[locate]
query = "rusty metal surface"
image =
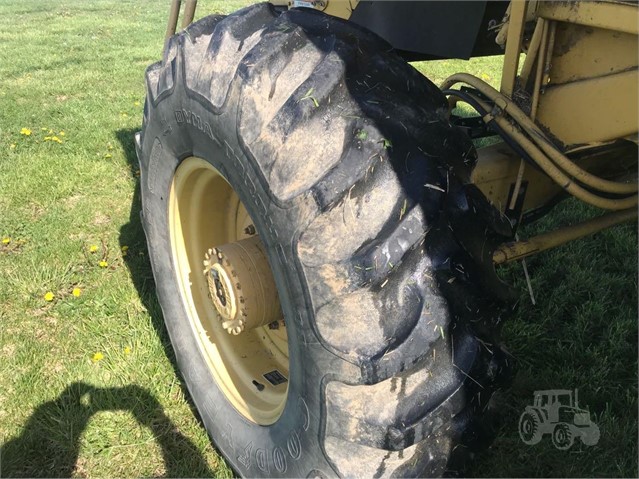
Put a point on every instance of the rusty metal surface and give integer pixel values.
(617, 16)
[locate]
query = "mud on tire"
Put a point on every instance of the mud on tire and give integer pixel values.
(344, 157)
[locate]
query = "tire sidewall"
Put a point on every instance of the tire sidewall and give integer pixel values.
(290, 446)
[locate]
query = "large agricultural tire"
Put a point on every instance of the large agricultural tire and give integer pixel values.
(341, 157)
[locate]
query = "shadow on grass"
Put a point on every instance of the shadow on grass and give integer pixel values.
(50, 441)
(137, 261)
(132, 235)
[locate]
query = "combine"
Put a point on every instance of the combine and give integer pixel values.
(325, 232)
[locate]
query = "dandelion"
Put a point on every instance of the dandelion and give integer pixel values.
(62, 133)
(103, 264)
(93, 248)
(127, 351)
(97, 357)
(25, 132)
(136, 103)
(485, 77)
(6, 240)
(48, 296)
(76, 292)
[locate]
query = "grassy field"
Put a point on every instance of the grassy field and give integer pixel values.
(87, 379)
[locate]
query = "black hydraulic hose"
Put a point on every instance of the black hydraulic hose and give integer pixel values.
(467, 97)
(492, 124)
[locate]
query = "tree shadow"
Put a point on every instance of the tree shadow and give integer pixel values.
(49, 443)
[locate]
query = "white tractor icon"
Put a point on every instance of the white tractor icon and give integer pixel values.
(557, 412)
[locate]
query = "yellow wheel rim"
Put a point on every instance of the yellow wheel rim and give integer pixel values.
(251, 368)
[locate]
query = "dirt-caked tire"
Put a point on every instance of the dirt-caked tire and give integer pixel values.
(310, 134)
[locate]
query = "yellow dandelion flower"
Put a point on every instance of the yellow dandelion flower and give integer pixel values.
(103, 264)
(48, 296)
(485, 77)
(6, 240)
(97, 357)
(56, 139)
(12, 146)
(76, 292)
(136, 103)
(127, 351)
(93, 248)
(25, 132)
(62, 133)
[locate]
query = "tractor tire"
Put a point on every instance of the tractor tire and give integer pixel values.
(529, 428)
(562, 436)
(590, 435)
(341, 158)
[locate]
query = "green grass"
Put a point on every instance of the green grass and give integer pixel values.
(78, 68)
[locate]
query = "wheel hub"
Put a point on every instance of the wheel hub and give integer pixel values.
(229, 307)
(241, 285)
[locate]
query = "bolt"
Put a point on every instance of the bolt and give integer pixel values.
(249, 230)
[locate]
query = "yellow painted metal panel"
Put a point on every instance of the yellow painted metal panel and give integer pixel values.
(592, 110)
(618, 16)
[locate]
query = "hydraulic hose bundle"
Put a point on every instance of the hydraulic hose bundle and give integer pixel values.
(521, 133)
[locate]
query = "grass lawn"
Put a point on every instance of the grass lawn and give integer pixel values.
(87, 379)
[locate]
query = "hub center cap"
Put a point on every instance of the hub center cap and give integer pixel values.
(241, 286)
